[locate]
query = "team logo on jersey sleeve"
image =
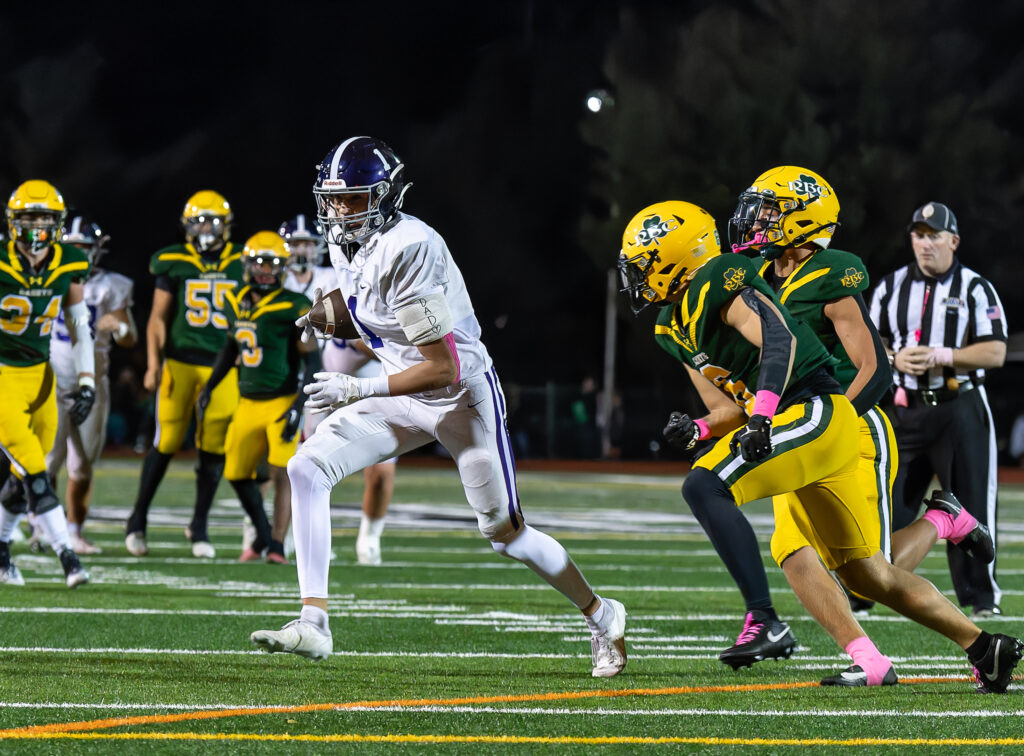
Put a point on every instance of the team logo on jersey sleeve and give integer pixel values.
(654, 229)
(734, 278)
(851, 278)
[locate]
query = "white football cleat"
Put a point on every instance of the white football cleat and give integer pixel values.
(203, 550)
(608, 649)
(297, 637)
(11, 575)
(368, 550)
(248, 534)
(136, 544)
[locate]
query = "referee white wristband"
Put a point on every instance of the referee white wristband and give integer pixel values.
(377, 386)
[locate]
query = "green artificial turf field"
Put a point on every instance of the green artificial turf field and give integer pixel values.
(449, 648)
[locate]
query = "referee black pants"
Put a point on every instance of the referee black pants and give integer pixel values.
(955, 442)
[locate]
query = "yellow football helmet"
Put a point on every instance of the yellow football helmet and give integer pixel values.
(265, 261)
(206, 220)
(35, 214)
(663, 247)
(785, 207)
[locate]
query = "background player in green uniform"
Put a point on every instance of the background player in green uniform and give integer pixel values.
(267, 346)
(39, 278)
(751, 361)
(187, 327)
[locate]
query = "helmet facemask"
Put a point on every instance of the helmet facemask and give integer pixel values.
(634, 271)
(302, 253)
(264, 272)
(206, 232)
(757, 224)
(36, 229)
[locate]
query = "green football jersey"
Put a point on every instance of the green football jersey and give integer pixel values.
(31, 300)
(693, 331)
(199, 286)
(825, 276)
(266, 333)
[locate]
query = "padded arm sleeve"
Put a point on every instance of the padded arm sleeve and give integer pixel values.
(777, 344)
(426, 319)
(82, 355)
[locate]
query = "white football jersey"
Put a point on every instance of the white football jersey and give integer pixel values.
(391, 270)
(104, 291)
(323, 278)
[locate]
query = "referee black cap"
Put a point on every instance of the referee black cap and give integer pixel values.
(936, 216)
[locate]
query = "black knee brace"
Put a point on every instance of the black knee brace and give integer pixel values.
(12, 496)
(41, 496)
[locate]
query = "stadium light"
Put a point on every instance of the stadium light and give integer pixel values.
(599, 99)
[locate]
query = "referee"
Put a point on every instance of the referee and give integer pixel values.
(944, 326)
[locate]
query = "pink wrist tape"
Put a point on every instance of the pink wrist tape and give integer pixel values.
(765, 403)
(705, 429)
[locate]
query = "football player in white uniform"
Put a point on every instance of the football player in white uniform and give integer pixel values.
(349, 356)
(108, 296)
(410, 306)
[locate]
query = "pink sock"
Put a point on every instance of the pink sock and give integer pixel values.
(954, 530)
(868, 658)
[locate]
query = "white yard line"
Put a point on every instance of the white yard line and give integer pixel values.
(827, 713)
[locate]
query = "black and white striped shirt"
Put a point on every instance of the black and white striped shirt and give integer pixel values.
(960, 308)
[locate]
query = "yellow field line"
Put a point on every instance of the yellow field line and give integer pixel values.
(521, 739)
(194, 716)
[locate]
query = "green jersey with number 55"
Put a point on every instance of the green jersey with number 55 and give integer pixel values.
(199, 286)
(268, 364)
(31, 300)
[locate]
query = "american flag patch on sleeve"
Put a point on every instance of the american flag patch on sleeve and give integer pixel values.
(994, 313)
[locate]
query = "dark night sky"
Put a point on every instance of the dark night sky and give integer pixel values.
(128, 111)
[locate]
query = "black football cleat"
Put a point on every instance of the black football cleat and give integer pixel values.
(994, 670)
(761, 638)
(977, 542)
(74, 574)
(856, 677)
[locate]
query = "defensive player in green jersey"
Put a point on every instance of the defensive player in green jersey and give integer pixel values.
(187, 327)
(782, 421)
(267, 346)
(39, 278)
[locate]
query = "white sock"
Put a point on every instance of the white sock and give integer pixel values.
(371, 527)
(8, 522)
(315, 616)
(55, 527)
(311, 524)
(598, 621)
(549, 559)
(74, 529)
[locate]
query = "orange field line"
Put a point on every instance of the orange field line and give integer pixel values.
(194, 716)
(99, 724)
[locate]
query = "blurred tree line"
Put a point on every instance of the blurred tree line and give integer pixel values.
(894, 103)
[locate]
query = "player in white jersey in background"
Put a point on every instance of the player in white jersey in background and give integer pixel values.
(410, 305)
(306, 276)
(108, 296)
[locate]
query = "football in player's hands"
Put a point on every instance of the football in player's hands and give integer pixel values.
(330, 316)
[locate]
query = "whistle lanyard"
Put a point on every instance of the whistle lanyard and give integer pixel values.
(924, 308)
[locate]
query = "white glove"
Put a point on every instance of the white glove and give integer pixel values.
(309, 331)
(331, 391)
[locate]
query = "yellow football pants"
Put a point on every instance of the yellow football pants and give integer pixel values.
(29, 416)
(255, 434)
(180, 385)
(816, 457)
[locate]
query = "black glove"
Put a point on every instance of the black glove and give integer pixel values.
(681, 432)
(202, 402)
(292, 417)
(755, 440)
(81, 404)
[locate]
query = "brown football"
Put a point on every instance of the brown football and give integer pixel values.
(331, 317)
